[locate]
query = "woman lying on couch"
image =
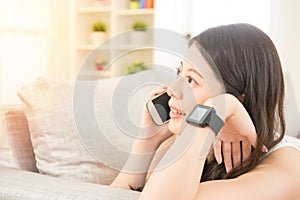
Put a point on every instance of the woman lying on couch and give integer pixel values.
(252, 111)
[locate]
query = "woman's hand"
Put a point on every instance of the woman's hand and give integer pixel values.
(151, 131)
(232, 151)
(234, 141)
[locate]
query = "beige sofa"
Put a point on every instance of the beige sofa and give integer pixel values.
(45, 153)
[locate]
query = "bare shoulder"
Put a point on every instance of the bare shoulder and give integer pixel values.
(286, 163)
(284, 158)
(277, 177)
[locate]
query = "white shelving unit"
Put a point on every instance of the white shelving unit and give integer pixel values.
(118, 52)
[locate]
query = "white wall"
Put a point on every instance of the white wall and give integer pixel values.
(174, 15)
(194, 16)
(285, 32)
(278, 18)
(33, 43)
(23, 45)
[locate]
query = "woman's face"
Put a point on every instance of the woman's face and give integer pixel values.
(190, 88)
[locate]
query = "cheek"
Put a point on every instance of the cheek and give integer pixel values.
(191, 97)
(202, 96)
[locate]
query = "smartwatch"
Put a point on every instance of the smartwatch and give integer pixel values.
(203, 116)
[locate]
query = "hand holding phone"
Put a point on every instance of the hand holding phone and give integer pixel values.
(159, 109)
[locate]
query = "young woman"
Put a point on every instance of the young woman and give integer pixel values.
(252, 110)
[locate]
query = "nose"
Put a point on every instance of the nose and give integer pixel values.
(174, 90)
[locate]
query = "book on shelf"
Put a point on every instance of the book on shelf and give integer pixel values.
(149, 4)
(142, 4)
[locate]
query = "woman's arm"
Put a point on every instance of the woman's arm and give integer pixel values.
(276, 178)
(144, 163)
(134, 172)
(179, 171)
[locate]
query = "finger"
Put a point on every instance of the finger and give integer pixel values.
(252, 137)
(226, 150)
(236, 153)
(246, 150)
(158, 91)
(218, 151)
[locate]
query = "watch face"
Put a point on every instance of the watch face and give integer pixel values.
(198, 115)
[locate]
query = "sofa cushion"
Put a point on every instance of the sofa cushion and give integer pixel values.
(15, 145)
(18, 184)
(55, 139)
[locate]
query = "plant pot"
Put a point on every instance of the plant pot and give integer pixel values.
(138, 37)
(98, 37)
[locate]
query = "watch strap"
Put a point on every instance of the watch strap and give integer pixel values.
(215, 123)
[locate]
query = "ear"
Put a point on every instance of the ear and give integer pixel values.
(241, 98)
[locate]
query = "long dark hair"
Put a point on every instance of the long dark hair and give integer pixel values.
(249, 65)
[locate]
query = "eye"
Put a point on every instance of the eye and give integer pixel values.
(178, 71)
(191, 81)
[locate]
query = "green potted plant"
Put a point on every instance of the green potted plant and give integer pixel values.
(98, 34)
(138, 35)
(135, 67)
(139, 26)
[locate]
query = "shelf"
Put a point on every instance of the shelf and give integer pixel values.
(90, 47)
(131, 46)
(95, 74)
(119, 19)
(112, 47)
(135, 12)
(94, 9)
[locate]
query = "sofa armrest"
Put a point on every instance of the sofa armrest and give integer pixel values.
(21, 184)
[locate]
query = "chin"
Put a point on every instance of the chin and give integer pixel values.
(175, 127)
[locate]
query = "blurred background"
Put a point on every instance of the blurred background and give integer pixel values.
(53, 37)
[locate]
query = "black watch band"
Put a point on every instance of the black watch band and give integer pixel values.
(216, 123)
(203, 116)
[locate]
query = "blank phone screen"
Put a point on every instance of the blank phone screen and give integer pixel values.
(161, 105)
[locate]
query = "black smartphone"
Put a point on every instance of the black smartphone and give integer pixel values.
(159, 109)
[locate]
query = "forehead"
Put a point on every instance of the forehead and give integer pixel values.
(194, 59)
(186, 66)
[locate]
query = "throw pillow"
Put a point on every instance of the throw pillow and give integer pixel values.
(15, 145)
(58, 148)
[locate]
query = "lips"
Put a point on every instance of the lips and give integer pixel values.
(174, 110)
(175, 113)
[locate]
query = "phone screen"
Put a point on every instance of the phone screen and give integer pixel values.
(161, 105)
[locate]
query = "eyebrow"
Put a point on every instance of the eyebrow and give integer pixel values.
(192, 69)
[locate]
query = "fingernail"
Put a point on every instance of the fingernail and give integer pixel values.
(227, 169)
(265, 149)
